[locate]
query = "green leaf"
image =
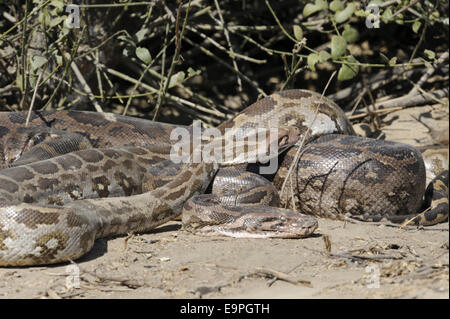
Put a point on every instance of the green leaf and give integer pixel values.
(176, 78)
(309, 9)
(140, 35)
(393, 61)
(362, 13)
(385, 58)
(345, 14)
(350, 34)
(37, 61)
(324, 56)
(336, 5)
(19, 81)
(192, 72)
(298, 32)
(56, 20)
(44, 16)
(313, 8)
(144, 55)
(322, 4)
(348, 71)
(387, 15)
(399, 19)
(312, 59)
(59, 60)
(416, 26)
(338, 46)
(431, 54)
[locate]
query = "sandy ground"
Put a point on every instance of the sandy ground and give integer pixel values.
(366, 261)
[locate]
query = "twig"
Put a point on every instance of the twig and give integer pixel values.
(300, 145)
(131, 283)
(24, 19)
(280, 276)
(388, 3)
(404, 8)
(24, 58)
(364, 257)
(220, 47)
(85, 85)
(8, 89)
(429, 72)
(175, 60)
(390, 224)
(292, 72)
(412, 100)
(227, 38)
(422, 36)
(327, 242)
(174, 98)
(68, 63)
(233, 28)
(387, 110)
(212, 105)
(279, 23)
(406, 222)
(33, 98)
(260, 46)
(219, 60)
(99, 77)
(128, 4)
(377, 81)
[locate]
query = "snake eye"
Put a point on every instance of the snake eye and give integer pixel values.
(269, 219)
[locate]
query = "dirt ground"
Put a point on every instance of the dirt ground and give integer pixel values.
(366, 260)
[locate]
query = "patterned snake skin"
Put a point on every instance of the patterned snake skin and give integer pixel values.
(71, 177)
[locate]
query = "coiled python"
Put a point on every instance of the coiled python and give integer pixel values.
(71, 177)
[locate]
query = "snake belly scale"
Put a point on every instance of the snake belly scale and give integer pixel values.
(72, 177)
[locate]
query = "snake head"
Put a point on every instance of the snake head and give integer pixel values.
(282, 223)
(205, 215)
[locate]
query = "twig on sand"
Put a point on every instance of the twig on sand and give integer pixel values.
(278, 275)
(390, 224)
(125, 281)
(364, 257)
(261, 272)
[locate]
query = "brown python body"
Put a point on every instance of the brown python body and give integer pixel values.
(97, 130)
(33, 233)
(360, 178)
(91, 173)
(41, 228)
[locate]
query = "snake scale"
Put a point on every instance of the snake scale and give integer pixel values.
(70, 177)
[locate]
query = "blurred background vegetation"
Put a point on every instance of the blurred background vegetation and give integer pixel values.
(176, 61)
